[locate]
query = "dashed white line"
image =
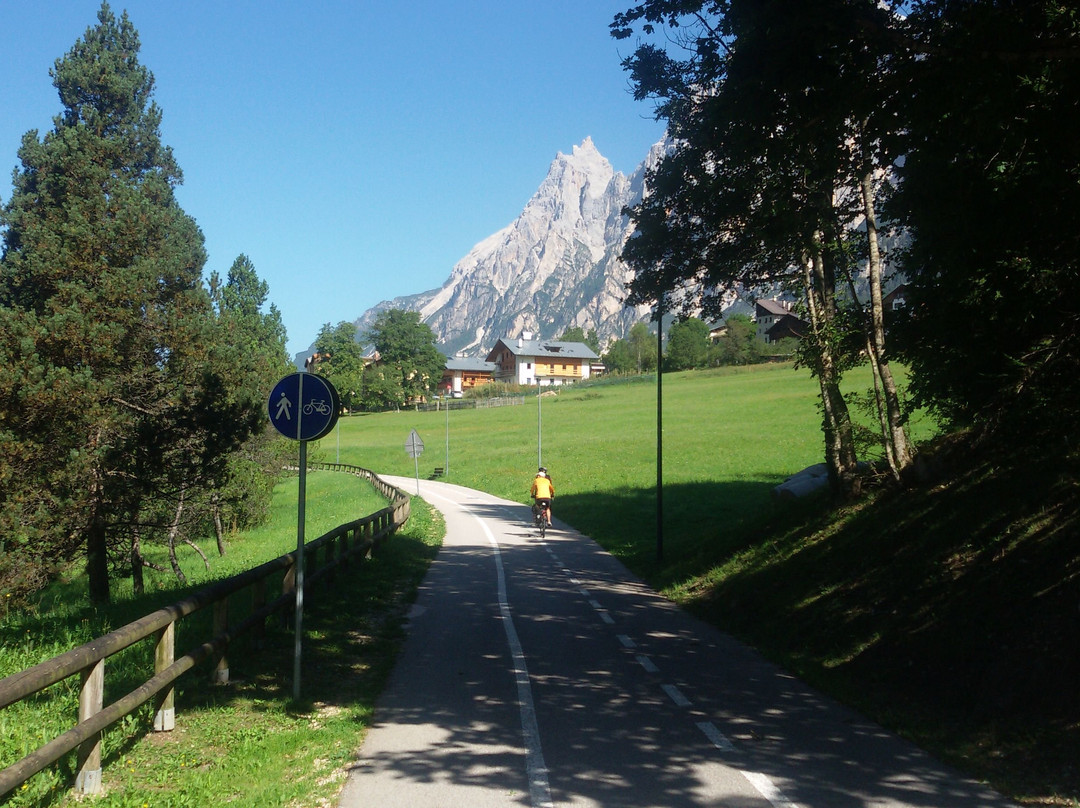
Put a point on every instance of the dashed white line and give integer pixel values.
(719, 739)
(626, 641)
(676, 695)
(647, 664)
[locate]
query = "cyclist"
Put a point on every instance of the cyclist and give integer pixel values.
(542, 492)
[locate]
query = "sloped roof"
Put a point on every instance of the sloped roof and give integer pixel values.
(470, 363)
(548, 349)
(773, 307)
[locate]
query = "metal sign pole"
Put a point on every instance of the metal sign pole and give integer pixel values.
(302, 407)
(301, 506)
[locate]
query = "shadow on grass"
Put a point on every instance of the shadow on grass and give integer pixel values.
(705, 524)
(949, 614)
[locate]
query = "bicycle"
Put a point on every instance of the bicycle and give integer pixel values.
(540, 517)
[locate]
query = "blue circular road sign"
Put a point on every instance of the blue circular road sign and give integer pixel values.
(304, 406)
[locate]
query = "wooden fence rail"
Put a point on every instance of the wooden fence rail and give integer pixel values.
(337, 548)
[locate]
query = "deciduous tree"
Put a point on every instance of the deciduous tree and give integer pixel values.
(406, 343)
(344, 361)
(688, 345)
(990, 192)
(577, 334)
(764, 104)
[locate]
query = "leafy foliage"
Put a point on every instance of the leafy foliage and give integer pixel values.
(738, 344)
(688, 345)
(990, 193)
(634, 354)
(343, 362)
(408, 360)
(577, 334)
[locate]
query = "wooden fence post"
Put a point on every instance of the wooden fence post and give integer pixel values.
(221, 625)
(164, 656)
(258, 601)
(91, 700)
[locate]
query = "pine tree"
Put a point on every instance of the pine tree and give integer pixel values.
(103, 317)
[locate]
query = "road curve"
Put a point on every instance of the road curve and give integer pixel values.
(542, 673)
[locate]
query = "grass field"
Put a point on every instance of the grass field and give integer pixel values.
(729, 437)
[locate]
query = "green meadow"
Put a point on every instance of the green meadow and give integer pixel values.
(729, 437)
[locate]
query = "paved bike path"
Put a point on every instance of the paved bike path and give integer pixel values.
(541, 673)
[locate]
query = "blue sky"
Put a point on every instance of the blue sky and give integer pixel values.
(354, 150)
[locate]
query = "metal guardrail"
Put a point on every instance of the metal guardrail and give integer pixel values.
(337, 546)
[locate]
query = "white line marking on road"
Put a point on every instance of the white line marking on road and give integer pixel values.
(535, 766)
(719, 739)
(596, 605)
(647, 664)
(626, 641)
(585, 592)
(676, 695)
(767, 788)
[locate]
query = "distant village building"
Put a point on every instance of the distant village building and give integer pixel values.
(464, 373)
(896, 299)
(546, 362)
(775, 321)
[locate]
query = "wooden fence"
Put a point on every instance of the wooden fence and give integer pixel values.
(336, 548)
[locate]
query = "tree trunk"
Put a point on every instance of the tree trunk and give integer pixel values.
(840, 457)
(97, 544)
(197, 549)
(896, 441)
(219, 530)
(174, 529)
(137, 583)
(97, 558)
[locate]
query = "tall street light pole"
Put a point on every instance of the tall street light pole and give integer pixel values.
(539, 427)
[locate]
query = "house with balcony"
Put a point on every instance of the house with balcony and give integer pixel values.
(524, 360)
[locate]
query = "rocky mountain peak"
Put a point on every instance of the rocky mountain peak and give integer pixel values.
(554, 267)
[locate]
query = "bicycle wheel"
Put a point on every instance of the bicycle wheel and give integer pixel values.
(543, 526)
